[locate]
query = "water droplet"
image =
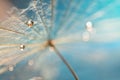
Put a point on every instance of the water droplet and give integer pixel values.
(10, 67)
(22, 47)
(89, 26)
(30, 23)
(30, 62)
(51, 49)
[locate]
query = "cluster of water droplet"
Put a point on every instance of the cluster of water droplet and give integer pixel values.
(28, 25)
